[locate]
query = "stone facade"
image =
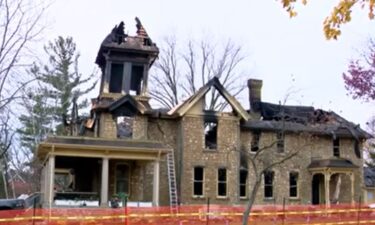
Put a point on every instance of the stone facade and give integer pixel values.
(186, 137)
(320, 151)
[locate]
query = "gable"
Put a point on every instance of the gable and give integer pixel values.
(196, 101)
(126, 106)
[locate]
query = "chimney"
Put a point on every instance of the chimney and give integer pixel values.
(255, 94)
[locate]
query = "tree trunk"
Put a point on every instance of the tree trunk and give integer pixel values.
(250, 203)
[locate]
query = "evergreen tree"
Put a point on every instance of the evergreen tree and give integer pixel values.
(37, 121)
(51, 100)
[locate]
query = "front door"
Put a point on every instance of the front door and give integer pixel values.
(122, 178)
(315, 187)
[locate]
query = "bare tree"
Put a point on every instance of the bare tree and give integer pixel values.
(263, 160)
(183, 68)
(6, 141)
(20, 25)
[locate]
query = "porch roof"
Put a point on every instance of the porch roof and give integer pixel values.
(101, 147)
(332, 163)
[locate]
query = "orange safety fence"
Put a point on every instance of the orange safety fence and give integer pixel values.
(193, 215)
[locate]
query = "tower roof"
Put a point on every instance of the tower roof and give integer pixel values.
(118, 41)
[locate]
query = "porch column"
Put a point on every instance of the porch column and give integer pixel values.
(327, 178)
(155, 187)
(352, 187)
(51, 181)
(104, 184)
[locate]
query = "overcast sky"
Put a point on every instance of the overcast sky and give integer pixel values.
(287, 54)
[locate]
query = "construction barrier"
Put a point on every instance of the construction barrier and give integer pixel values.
(193, 215)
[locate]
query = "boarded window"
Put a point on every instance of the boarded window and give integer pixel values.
(222, 182)
(210, 135)
(293, 184)
(198, 181)
(115, 82)
(336, 147)
(280, 141)
(122, 178)
(268, 184)
(243, 186)
(125, 126)
(136, 79)
(255, 141)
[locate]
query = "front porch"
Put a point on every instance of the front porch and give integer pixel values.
(332, 181)
(90, 171)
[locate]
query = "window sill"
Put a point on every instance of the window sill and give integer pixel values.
(198, 197)
(294, 199)
(210, 150)
(222, 197)
(269, 199)
(244, 198)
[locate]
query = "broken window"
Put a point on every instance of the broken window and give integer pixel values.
(115, 82)
(125, 126)
(268, 184)
(198, 181)
(280, 141)
(136, 79)
(293, 184)
(336, 147)
(243, 182)
(222, 182)
(64, 180)
(122, 178)
(255, 141)
(210, 135)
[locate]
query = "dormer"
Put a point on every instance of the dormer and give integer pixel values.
(125, 62)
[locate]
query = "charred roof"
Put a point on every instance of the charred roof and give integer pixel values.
(117, 40)
(304, 119)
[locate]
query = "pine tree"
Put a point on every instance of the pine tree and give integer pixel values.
(51, 99)
(63, 82)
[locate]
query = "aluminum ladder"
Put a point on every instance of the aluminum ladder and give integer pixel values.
(173, 200)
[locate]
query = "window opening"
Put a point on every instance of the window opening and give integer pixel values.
(280, 141)
(293, 184)
(122, 178)
(268, 184)
(243, 182)
(210, 135)
(357, 149)
(198, 181)
(255, 141)
(124, 126)
(222, 182)
(136, 79)
(336, 147)
(115, 82)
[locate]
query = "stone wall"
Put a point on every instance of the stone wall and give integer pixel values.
(107, 126)
(163, 130)
(308, 148)
(225, 156)
(140, 127)
(186, 137)
(136, 179)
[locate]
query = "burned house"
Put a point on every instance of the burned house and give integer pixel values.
(187, 154)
